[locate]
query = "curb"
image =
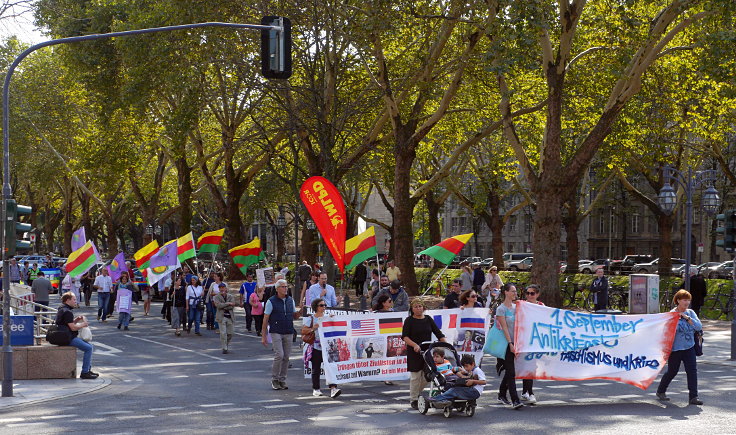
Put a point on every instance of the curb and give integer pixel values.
(60, 395)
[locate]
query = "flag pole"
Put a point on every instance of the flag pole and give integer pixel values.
(436, 278)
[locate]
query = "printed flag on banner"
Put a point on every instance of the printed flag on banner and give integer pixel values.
(117, 267)
(446, 250)
(390, 326)
(451, 323)
(334, 328)
(327, 209)
(574, 346)
(185, 247)
(210, 241)
(143, 256)
(363, 327)
(166, 256)
(81, 260)
(472, 322)
(360, 248)
(79, 238)
(245, 255)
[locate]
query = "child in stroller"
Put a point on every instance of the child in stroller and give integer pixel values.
(456, 388)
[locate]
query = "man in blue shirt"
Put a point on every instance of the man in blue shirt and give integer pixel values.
(322, 290)
(278, 320)
(247, 289)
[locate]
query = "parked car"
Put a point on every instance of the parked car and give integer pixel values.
(514, 256)
(592, 266)
(525, 264)
(623, 267)
(487, 262)
(703, 267)
(722, 271)
(653, 266)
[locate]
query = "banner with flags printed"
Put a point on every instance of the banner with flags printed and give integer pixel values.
(334, 328)
(391, 325)
(363, 327)
(472, 322)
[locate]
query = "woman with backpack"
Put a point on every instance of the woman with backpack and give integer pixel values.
(195, 304)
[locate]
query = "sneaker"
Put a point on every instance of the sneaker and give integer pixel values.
(695, 401)
(224, 350)
(98, 317)
(119, 325)
(504, 400)
(440, 404)
(93, 373)
(388, 383)
(88, 375)
(525, 396)
(531, 399)
(414, 404)
(126, 328)
(283, 385)
(276, 385)
(662, 397)
(517, 405)
(317, 393)
(198, 333)
(335, 392)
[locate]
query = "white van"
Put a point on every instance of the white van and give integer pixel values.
(514, 256)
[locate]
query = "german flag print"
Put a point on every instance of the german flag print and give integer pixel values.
(390, 326)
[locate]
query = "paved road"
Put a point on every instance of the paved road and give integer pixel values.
(160, 383)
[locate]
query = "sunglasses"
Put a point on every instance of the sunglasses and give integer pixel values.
(473, 296)
(322, 305)
(531, 293)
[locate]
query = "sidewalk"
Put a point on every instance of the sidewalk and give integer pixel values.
(717, 343)
(41, 390)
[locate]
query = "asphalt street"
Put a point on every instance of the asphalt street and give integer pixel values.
(161, 383)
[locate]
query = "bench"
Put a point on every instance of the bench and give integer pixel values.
(44, 362)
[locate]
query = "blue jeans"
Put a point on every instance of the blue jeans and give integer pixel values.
(103, 298)
(687, 357)
(194, 317)
(211, 311)
(124, 319)
(87, 349)
(458, 393)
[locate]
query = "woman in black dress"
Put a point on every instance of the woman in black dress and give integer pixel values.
(417, 329)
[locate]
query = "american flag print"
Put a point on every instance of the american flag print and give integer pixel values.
(363, 327)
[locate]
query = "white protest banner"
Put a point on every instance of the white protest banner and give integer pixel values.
(573, 346)
(369, 346)
(265, 277)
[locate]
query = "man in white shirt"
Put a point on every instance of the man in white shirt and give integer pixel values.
(103, 285)
(322, 290)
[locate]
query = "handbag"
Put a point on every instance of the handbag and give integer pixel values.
(698, 336)
(496, 343)
(308, 335)
(58, 336)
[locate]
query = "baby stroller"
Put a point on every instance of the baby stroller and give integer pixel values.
(437, 382)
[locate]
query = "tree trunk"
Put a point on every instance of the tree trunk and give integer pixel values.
(572, 225)
(68, 225)
(495, 223)
(184, 193)
(112, 239)
(308, 247)
(403, 232)
(234, 234)
(546, 241)
(433, 217)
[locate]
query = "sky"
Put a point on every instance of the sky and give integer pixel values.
(23, 28)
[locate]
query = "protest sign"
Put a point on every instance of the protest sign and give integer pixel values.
(265, 277)
(369, 347)
(569, 345)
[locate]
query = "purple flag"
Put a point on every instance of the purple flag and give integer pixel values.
(166, 256)
(78, 239)
(117, 267)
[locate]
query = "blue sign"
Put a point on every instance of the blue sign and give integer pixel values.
(21, 330)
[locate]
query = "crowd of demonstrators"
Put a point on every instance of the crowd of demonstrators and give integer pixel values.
(258, 305)
(314, 354)
(146, 297)
(360, 275)
(683, 349)
(179, 304)
(398, 295)
(469, 299)
(392, 271)
(278, 319)
(214, 290)
(466, 277)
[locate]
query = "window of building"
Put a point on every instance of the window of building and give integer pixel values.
(512, 224)
(601, 224)
(454, 229)
(635, 223)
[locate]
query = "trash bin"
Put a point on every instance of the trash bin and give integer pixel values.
(643, 294)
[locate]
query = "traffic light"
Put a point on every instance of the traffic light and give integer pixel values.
(727, 227)
(12, 226)
(276, 48)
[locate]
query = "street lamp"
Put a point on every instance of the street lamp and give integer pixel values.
(667, 200)
(280, 226)
(311, 226)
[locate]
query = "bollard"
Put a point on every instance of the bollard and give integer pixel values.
(346, 301)
(362, 303)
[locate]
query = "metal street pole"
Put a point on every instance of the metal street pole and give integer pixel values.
(688, 226)
(7, 350)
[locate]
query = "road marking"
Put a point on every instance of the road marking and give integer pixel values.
(555, 402)
(174, 414)
(311, 397)
(210, 405)
(88, 420)
(168, 408)
(111, 351)
(280, 421)
(114, 412)
(212, 374)
(134, 417)
(394, 392)
(327, 418)
(596, 384)
(267, 401)
(561, 386)
(52, 417)
(172, 430)
(11, 420)
(233, 409)
(285, 405)
(183, 349)
(25, 424)
(323, 402)
(179, 376)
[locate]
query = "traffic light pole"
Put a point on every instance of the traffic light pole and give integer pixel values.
(7, 350)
